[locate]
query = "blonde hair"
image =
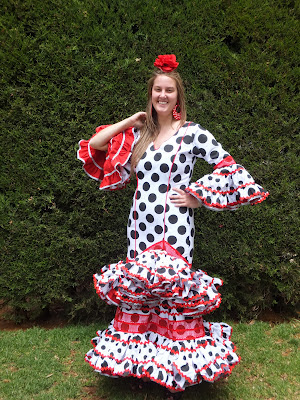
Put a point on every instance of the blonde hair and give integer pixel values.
(151, 127)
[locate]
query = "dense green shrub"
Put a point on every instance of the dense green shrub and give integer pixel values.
(70, 65)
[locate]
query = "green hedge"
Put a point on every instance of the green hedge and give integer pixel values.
(69, 65)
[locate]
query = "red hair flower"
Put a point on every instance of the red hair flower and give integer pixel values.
(166, 62)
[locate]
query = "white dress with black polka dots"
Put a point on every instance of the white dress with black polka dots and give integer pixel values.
(158, 331)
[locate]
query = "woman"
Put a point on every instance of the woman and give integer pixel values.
(158, 332)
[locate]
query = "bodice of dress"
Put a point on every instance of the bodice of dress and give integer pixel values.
(153, 217)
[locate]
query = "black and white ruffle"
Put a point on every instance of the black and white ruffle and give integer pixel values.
(156, 277)
(173, 364)
(227, 188)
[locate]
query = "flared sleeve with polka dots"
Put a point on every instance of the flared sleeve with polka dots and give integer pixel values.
(112, 167)
(229, 186)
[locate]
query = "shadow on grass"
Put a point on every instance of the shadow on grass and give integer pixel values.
(131, 388)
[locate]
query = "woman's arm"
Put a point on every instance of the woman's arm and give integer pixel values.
(100, 141)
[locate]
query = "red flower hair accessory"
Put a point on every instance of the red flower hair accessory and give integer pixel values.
(166, 62)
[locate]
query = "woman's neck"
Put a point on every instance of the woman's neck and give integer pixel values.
(167, 123)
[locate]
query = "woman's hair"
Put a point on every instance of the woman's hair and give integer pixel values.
(151, 127)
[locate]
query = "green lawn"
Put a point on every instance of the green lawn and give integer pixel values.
(40, 364)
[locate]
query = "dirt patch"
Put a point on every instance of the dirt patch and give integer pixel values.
(6, 324)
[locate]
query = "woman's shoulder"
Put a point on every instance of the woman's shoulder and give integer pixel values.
(195, 125)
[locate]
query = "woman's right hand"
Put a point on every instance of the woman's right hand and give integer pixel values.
(100, 141)
(138, 119)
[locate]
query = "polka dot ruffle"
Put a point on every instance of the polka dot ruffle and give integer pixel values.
(175, 364)
(227, 188)
(155, 276)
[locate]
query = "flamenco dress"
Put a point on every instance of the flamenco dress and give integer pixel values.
(158, 331)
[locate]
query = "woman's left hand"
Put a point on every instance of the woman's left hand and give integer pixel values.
(184, 199)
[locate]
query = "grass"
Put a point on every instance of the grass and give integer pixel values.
(40, 364)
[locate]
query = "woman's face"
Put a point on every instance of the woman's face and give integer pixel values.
(164, 95)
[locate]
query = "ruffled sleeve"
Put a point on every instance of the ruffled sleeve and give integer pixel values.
(112, 167)
(230, 185)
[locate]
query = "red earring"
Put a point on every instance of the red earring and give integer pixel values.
(177, 112)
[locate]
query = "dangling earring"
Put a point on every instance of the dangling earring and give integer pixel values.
(177, 112)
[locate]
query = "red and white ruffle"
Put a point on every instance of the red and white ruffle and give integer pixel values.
(111, 168)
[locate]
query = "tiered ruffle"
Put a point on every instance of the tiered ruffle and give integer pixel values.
(175, 364)
(227, 188)
(111, 168)
(154, 277)
(158, 331)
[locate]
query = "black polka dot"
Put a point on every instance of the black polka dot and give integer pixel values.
(157, 156)
(150, 370)
(177, 178)
(180, 249)
(214, 142)
(185, 368)
(188, 139)
(150, 237)
(142, 206)
(182, 158)
(173, 219)
(142, 246)
(164, 168)
(202, 138)
(160, 376)
(138, 195)
(142, 226)
(158, 229)
(214, 154)
(146, 186)
(192, 232)
(196, 150)
(131, 253)
(159, 209)
(182, 210)
(162, 188)
(168, 148)
(172, 239)
(155, 177)
(251, 191)
(181, 230)
(140, 175)
(148, 166)
(135, 215)
(174, 168)
(152, 197)
(179, 139)
(144, 155)
(134, 234)
(149, 218)
(187, 169)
